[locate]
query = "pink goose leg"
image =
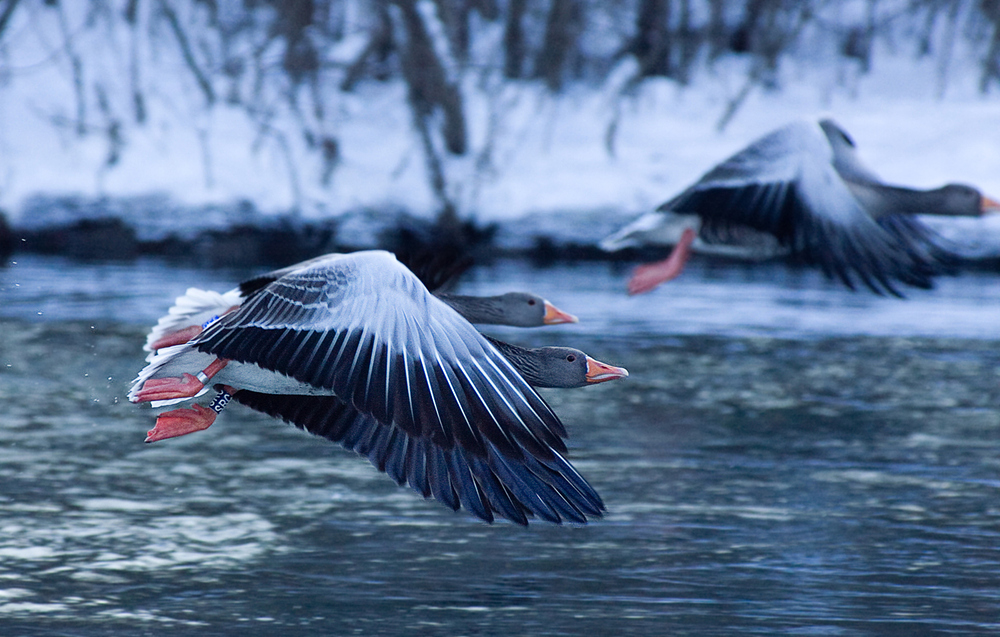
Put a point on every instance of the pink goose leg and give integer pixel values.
(184, 387)
(181, 422)
(648, 276)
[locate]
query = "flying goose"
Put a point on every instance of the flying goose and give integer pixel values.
(192, 311)
(803, 190)
(353, 347)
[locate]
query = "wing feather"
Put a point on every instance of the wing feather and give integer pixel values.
(489, 486)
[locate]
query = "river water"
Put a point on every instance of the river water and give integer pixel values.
(787, 457)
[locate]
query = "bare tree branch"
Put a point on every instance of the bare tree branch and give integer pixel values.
(427, 80)
(380, 44)
(768, 37)
(737, 101)
(8, 10)
(76, 64)
(138, 101)
(187, 52)
(947, 49)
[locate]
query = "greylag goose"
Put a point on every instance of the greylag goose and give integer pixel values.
(803, 190)
(187, 317)
(353, 347)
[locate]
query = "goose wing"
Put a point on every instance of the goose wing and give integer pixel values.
(364, 328)
(436, 267)
(489, 486)
(787, 184)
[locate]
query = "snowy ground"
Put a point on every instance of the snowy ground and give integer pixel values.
(534, 154)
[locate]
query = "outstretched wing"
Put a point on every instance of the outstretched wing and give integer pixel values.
(435, 266)
(363, 327)
(787, 184)
(490, 485)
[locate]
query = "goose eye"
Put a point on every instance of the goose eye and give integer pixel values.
(531, 301)
(571, 358)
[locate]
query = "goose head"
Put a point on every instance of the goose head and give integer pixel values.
(961, 200)
(569, 367)
(515, 309)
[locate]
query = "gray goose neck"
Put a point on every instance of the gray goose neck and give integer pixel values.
(525, 361)
(880, 200)
(484, 310)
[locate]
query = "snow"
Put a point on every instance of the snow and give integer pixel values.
(532, 153)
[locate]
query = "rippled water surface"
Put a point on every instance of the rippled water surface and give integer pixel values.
(786, 458)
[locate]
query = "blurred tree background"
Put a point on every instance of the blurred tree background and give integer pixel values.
(272, 58)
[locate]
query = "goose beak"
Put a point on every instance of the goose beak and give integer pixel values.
(989, 206)
(598, 372)
(554, 316)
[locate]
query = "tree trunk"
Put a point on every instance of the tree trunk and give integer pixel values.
(858, 44)
(486, 8)
(454, 15)
(717, 34)
(301, 58)
(690, 42)
(513, 41)
(561, 30)
(651, 44)
(991, 62)
(425, 75)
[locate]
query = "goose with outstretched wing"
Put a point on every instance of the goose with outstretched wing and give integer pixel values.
(196, 308)
(411, 383)
(803, 190)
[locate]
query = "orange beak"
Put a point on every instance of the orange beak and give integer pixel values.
(989, 206)
(598, 372)
(554, 316)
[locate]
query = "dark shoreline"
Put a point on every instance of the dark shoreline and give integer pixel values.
(284, 239)
(261, 240)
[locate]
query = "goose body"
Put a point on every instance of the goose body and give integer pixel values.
(355, 345)
(803, 190)
(196, 308)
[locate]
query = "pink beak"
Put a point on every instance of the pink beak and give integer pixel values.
(554, 316)
(598, 372)
(988, 205)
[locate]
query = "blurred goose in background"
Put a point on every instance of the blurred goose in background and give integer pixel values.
(802, 190)
(356, 349)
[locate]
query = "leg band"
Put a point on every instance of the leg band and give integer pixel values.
(220, 401)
